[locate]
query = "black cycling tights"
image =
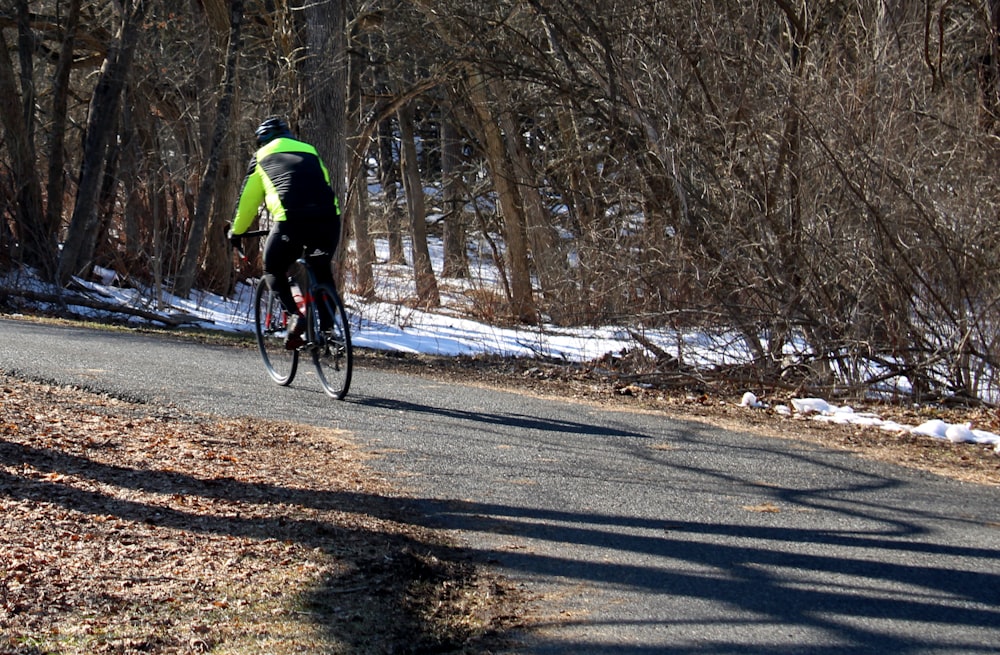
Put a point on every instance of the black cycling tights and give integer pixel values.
(284, 245)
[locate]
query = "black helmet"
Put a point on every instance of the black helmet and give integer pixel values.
(271, 129)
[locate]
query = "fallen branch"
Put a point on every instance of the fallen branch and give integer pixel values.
(662, 356)
(66, 299)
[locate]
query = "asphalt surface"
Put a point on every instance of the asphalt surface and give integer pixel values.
(635, 533)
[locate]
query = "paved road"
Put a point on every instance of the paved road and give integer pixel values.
(639, 534)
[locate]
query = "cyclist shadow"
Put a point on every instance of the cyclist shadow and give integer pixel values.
(497, 419)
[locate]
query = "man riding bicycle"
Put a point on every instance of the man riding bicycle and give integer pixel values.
(290, 178)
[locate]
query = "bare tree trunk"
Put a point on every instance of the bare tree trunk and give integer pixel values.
(522, 302)
(389, 175)
(206, 193)
(106, 205)
(456, 258)
(364, 248)
(390, 190)
(546, 250)
(26, 50)
(143, 157)
(100, 123)
(60, 93)
(39, 245)
(423, 273)
(217, 264)
(324, 78)
(159, 208)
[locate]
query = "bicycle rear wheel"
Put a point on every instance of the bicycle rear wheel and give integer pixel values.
(271, 324)
(331, 346)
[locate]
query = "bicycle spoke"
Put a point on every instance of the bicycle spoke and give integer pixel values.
(271, 326)
(331, 353)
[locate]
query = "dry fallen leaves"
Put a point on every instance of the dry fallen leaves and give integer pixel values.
(127, 528)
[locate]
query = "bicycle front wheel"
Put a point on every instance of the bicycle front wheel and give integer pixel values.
(331, 347)
(271, 324)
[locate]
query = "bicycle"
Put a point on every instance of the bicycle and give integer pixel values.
(327, 336)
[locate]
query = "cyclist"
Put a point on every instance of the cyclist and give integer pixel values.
(290, 178)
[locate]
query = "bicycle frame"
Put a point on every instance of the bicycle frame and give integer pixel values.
(328, 345)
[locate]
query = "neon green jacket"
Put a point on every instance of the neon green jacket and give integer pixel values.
(286, 175)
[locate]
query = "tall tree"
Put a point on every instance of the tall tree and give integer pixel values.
(102, 116)
(30, 226)
(206, 193)
(990, 63)
(423, 271)
(357, 209)
(324, 81)
(456, 259)
(56, 187)
(389, 179)
(515, 239)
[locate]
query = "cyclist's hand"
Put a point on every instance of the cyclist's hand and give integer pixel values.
(236, 240)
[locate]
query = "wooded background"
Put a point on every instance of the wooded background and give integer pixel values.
(817, 172)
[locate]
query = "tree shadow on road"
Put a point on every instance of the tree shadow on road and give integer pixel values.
(811, 551)
(831, 561)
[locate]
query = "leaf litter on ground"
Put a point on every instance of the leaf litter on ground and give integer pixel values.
(130, 528)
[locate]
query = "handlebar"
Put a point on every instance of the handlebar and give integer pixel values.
(245, 235)
(255, 233)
